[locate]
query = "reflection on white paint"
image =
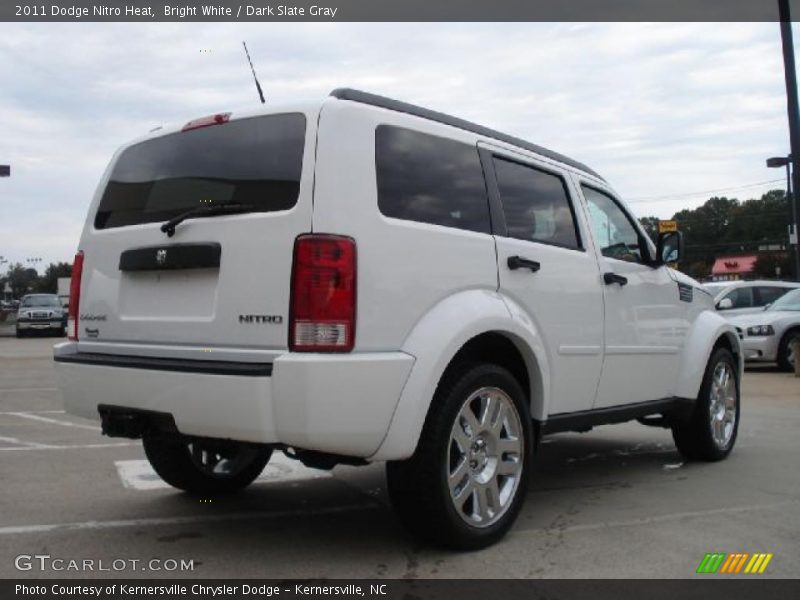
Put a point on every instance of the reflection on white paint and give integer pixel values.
(139, 475)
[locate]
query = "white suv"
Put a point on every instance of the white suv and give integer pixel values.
(363, 280)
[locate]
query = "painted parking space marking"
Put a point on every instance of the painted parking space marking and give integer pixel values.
(33, 412)
(27, 389)
(34, 417)
(139, 475)
(34, 446)
(162, 521)
(23, 444)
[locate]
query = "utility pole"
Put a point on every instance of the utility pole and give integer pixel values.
(794, 119)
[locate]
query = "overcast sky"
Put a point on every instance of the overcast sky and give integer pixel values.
(661, 110)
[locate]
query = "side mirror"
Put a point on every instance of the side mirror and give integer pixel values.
(669, 248)
(725, 304)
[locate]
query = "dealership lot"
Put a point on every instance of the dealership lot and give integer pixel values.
(615, 502)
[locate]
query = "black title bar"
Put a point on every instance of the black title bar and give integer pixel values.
(151, 11)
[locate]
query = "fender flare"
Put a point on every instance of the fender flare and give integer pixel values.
(706, 331)
(436, 339)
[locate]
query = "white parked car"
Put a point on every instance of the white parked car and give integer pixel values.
(769, 334)
(362, 280)
(747, 297)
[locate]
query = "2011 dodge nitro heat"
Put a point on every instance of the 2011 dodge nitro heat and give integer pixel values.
(437, 295)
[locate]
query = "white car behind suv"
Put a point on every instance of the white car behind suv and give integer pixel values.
(361, 280)
(770, 334)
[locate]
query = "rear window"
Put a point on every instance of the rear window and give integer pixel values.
(256, 161)
(430, 179)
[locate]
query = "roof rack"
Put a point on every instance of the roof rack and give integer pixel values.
(432, 115)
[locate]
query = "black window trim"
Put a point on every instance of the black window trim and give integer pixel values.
(496, 200)
(649, 260)
(490, 213)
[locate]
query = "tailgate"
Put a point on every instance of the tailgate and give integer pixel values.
(222, 280)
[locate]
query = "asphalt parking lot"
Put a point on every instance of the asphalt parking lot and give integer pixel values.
(615, 502)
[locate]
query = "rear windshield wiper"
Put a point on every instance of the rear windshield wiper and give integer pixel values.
(204, 211)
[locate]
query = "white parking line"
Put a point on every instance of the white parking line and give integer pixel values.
(26, 415)
(25, 445)
(94, 525)
(139, 475)
(35, 446)
(33, 412)
(28, 389)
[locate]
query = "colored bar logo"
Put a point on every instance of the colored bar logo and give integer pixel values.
(734, 563)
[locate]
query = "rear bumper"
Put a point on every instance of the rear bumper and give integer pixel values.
(340, 404)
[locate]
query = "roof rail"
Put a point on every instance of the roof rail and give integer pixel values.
(432, 115)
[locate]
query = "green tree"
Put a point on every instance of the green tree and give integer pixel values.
(650, 225)
(22, 280)
(48, 283)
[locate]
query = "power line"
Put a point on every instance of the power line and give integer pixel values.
(699, 193)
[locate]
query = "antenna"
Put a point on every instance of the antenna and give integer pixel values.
(258, 85)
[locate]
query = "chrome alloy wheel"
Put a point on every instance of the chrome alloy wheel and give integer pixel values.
(220, 463)
(485, 457)
(722, 404)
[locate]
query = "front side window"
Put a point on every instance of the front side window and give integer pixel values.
(740, 297)
(535, 204)
(256, 162)
(613, 231)
(430, 179)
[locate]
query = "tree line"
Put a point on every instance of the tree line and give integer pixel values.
(25, 280)
(727, 226)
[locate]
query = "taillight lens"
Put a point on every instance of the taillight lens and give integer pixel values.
(74, 297)
(218, 119)
(323, 305)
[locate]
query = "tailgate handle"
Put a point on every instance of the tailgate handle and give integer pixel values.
(517, 262)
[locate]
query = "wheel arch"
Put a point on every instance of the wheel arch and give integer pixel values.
(709, 332)
(471, 325)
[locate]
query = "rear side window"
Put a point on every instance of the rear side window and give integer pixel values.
(256, 161)
(430, 179)
(536, 205)
(768, 294)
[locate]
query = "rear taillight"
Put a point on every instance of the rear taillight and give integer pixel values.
(322, 315)
(74, 297)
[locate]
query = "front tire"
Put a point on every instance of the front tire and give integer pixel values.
(786, 355)
(466, 482)
(19, 333)
(710, 433)
(205, 467)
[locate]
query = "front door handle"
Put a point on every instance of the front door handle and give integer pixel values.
(517, 262)
(612, 278)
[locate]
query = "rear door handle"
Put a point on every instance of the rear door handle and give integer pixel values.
(612, 278)
(517, 262)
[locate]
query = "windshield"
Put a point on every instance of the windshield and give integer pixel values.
(49, 301)
(790, 301)
(255, 161)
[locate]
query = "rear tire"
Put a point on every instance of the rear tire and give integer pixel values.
(205, 467)
(466, 482)
(20, 333)
(785, 357)
(710, 433)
